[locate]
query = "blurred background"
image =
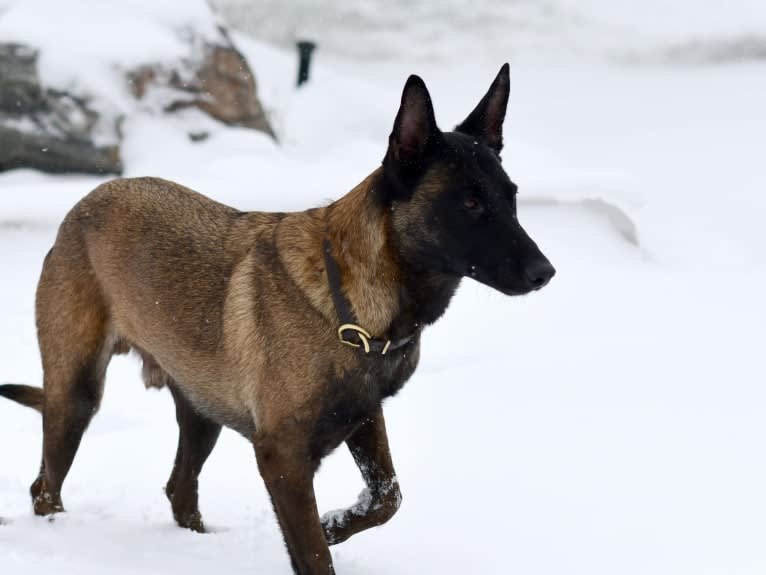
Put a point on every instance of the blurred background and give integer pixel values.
(612, 423)
(655, 30)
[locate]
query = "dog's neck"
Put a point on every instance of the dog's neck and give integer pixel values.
(388, 295)
(356, 227)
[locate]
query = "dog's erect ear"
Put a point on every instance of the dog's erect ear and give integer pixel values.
(486, 121)
(414, 128)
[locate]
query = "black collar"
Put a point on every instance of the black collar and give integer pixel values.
(349, 332)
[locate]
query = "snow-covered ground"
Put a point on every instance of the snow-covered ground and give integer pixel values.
(613, 423)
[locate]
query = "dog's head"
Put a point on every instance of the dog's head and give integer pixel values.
(453, 206)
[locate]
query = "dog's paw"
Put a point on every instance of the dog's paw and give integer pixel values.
(192, 521)
(46, 504)
(335, 525)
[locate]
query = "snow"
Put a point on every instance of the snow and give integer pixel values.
(612, 423)
(91, 60)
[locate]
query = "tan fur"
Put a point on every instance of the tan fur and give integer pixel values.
(233, 345)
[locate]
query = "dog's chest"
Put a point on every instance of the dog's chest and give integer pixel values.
(357, 394)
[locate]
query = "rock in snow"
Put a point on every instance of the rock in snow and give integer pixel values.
(45, 128)
(220, 83)
(61, 108)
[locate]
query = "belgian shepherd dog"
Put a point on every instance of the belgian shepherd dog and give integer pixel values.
(290, 328)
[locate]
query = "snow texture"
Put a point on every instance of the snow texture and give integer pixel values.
(612, 423)
(87, 47)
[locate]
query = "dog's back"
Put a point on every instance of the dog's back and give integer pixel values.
(207, 295)
(143, 264)
(147, 239)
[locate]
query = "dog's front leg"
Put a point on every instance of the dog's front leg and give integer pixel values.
(288, 473)
(381, 498)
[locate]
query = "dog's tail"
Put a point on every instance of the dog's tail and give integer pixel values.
(24, 394)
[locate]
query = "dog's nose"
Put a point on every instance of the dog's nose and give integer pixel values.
(539, 273)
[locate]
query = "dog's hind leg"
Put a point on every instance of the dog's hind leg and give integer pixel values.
(65, 418)
(197, 435)
(381, 499)
(75, 351)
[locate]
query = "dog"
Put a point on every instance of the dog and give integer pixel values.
(290, 328)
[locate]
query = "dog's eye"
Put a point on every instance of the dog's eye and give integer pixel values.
(472, 204)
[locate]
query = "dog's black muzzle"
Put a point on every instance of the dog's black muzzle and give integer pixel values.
(538, 272)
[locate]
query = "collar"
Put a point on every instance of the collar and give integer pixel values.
(349, 332)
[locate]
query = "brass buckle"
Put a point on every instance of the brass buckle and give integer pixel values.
(363, 334)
